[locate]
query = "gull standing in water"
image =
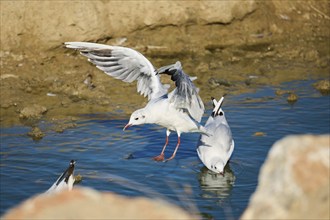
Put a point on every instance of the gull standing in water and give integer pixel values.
(215, 149)
(179, 111)
(65, 181)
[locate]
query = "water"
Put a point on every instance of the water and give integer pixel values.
(112, 160)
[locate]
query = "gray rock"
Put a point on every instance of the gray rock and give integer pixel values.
(294, 180)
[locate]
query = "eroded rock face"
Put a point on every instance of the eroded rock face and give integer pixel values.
(93, 19)
(86, 203)
(294, 181)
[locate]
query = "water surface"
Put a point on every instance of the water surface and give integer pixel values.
(112, 160)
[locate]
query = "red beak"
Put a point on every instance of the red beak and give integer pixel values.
(127, 126)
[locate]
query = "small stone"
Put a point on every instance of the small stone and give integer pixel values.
(259, 134)
(77, 179)
(323, 86)
(36, 133)
(292, 98)
(280, 92)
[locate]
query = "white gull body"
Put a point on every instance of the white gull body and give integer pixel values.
(65, 181)
(215, 150)
(180, 110)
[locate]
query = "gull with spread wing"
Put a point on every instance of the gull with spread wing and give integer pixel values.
(180, 110)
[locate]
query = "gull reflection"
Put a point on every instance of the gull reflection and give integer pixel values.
(216, 185)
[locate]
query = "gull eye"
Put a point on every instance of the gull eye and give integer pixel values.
(215, 167)
(136, 119)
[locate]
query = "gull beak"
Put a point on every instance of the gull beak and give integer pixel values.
(222, 173)
(127, 126)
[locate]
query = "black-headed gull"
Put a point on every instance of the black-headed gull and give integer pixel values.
(179, 111)
(65, 181)
(215, 149)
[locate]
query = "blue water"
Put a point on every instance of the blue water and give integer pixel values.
(112, 160)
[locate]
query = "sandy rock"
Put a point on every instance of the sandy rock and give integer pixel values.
(292, 98)
(323, 86)
(294, 181)
(86, 203)
(36, 133)
(32, 112)
(104, 19)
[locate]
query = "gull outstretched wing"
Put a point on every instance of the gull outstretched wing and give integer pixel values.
(125, 64)
(185, 95)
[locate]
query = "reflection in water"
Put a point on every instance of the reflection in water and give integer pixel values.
(215, 185)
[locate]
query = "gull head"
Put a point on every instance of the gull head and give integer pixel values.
(218, 167)
(137, 118)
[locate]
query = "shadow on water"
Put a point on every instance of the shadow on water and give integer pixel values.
(112, 160)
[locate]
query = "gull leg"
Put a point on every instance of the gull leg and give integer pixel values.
(176, 149)
(161, 156)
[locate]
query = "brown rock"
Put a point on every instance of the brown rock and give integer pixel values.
(294, 181)
(292, 98)
(86, 203)
(323, 86)
(36, 133)
(32, 112)
(28, 24)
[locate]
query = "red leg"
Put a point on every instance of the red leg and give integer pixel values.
(161, 156)
(176, 149)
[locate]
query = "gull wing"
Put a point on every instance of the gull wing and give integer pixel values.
(185, 95)
(125, 64)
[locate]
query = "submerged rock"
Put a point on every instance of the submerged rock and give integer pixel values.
(36, 133)
(292, 98)
(323, 86)
(86, 203)
(281, 92)
(294, 181)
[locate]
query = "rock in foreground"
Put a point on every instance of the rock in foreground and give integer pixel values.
(294, 181)
(85, 203)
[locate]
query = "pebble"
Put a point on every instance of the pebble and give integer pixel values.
(259, 134)
(292, 98)
(36, 133)
(323, 86)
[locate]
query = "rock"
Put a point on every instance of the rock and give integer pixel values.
(32, 112)
(323, 86)
(281, 92)
(292, 98)
(213, 83)
(293, 181)
(259, 134)
(36, 133)
(76, 21)
(86, 203)
(61, 127)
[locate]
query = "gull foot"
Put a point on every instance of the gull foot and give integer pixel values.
(170, 158)
(159, 157)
